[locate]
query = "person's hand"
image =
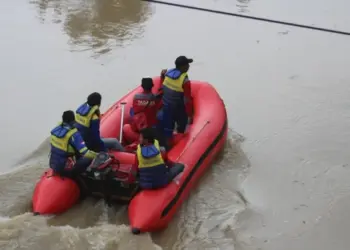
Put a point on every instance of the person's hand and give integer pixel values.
(190, 120)
(159, 94)
(162, 73)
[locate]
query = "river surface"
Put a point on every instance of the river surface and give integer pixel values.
(282, 181)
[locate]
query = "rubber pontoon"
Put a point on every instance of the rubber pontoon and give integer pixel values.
(149, 210)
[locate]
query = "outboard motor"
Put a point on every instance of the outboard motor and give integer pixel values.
(101, 166)
(107, 178)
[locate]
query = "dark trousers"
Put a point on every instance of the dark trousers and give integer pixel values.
(172, 115)
(109, 143)
(158, 133)
(175, 170)
(79, 167)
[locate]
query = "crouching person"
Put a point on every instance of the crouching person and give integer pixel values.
(153, 172)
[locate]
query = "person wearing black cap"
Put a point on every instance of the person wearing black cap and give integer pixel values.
(66, 142)
(177, 99)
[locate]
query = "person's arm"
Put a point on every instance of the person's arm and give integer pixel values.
(135, 166)
(79, 145)
(95, 130)
(163, 154)
(136, 108)
(162, 76)
(159, 93)
(158, 100)
(188, 97)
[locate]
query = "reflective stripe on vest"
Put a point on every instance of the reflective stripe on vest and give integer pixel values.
(145, 99)
(149, 162)
(175, 84)
(63, 143)
(85, 120)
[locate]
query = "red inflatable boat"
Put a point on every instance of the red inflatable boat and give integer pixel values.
(149, 210)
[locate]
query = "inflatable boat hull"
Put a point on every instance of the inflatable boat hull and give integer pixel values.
(54, 194)
(152, 210)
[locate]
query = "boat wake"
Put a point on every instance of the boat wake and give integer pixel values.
(27, 232)
(206, 219)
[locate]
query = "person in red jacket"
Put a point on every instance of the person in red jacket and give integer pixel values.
(143, 112)
(145, 106)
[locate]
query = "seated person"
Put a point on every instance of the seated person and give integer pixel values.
(152, 170)
(145, 105)
(88, 124)
(67, 143)
(143, 112)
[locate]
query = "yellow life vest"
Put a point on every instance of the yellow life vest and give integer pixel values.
(85, 120)
(62, 143)
(149, 162)
(175, 84)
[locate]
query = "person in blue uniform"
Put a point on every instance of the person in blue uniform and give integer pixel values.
(177, 99)
(66, 142)
(88, 123)
(153, 171)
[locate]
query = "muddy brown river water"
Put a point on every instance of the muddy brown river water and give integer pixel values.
(282, 182)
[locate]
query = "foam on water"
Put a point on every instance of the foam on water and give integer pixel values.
(35, 233)
(91, 224)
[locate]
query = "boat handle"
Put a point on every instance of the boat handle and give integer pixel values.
(122, 122)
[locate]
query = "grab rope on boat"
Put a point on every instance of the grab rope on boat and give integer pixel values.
(250, 17)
